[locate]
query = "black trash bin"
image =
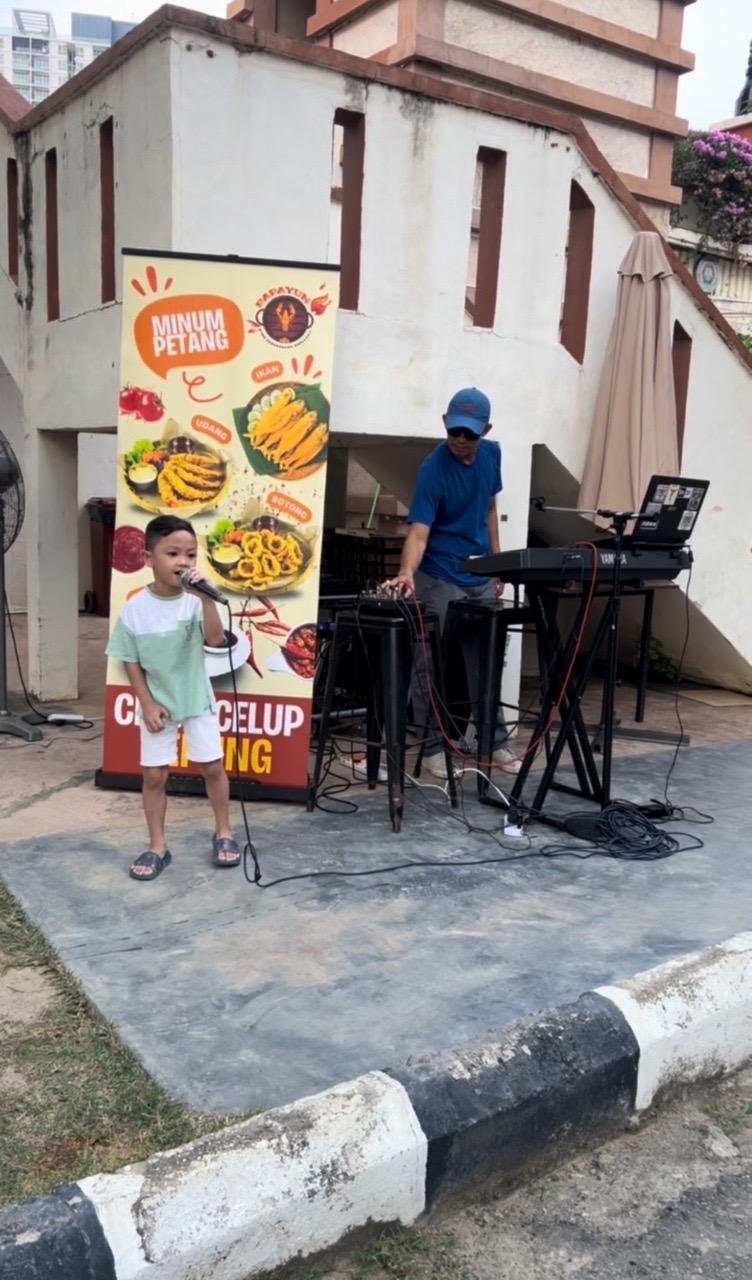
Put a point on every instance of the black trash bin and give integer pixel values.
(101, 513)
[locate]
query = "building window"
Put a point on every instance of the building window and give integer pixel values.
(11, 186)
(681, 353)
(490, 179)
(51, 235)
(107, 196)
(353, 125)
(574, 312)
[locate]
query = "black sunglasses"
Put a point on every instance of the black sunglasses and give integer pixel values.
(461, 433)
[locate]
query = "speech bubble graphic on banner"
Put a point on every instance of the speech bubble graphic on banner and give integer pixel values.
(187, 330)
(265, 372)
(206, 426)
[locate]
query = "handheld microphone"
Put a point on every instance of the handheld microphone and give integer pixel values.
(205, 588)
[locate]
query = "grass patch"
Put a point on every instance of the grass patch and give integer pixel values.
(396, 1253)
(73, 1100)
(731, 1117)
(410, 1255)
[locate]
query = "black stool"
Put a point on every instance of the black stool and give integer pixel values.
(490, 620)
(386, 629)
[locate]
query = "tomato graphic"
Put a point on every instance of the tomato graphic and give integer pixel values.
(140, 403)
(150, 407)
(128, 399)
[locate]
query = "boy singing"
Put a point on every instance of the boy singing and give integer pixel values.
(160, 638)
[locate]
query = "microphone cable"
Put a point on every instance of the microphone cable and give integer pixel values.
(249, 849)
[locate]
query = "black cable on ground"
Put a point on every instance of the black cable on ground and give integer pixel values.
(68, 724)
(621, 831)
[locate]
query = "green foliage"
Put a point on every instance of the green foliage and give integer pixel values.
(747, 340)
(659, 662)
(398, 1254)
(715, 172)
(730, 1117)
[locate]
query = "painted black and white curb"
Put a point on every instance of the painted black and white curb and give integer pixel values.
(385, 1147)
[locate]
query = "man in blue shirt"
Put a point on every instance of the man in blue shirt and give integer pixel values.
(453, 516)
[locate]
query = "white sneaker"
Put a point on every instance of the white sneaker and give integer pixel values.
(436, 765)
(506, 760)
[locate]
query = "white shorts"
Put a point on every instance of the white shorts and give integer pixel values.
(202, 739)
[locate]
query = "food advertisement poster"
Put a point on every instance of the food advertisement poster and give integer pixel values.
(223, 419)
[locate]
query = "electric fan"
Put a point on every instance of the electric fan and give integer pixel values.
(11, 519)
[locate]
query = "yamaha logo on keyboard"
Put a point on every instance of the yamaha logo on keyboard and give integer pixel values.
(609, 558)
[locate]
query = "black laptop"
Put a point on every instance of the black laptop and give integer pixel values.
(669, 511)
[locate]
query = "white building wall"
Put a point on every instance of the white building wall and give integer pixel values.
(208, 160)
(137, 95)
(68, 369)
(718, 446)
(273, 169)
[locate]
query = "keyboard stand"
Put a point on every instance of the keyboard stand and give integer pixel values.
(566, 696)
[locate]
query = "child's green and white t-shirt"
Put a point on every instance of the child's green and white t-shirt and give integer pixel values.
(165, 636)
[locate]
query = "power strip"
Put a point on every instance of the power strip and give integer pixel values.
(64, 717)
(657, 809)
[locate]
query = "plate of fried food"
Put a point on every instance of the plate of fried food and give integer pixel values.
(284, 430)
(261, 555)
(177, 473)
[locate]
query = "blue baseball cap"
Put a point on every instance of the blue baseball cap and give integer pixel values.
(469, 408)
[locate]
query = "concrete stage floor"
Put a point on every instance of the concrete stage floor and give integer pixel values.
(237, 998)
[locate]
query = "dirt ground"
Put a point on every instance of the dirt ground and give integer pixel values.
(670, 1199)
(25, 993)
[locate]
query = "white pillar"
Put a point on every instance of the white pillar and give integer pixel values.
(51, 479)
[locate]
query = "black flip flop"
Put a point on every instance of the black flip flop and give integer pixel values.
(154, 862)
(225, 844)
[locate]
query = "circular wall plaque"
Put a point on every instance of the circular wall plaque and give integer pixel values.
(708, 274)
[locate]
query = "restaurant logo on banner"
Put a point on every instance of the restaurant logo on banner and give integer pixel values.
(215, 430)
(285, 315)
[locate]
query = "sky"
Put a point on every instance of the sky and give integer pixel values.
(718, 32)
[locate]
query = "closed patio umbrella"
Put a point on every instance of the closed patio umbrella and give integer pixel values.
(633, 434)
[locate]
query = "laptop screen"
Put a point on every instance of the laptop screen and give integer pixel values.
(669, 510)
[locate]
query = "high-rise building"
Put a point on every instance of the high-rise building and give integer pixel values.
(36, 60)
